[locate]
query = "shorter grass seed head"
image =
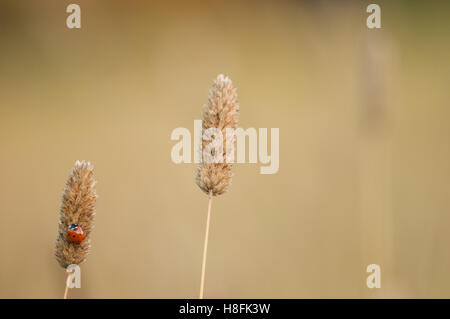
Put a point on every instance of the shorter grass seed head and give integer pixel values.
(76, 216)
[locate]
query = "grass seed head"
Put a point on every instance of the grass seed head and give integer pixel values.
(220, 112)
(77, 207)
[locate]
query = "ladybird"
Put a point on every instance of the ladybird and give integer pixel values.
(75, 233)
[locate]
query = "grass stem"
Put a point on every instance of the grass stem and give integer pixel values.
(205, 247)
(67, 285)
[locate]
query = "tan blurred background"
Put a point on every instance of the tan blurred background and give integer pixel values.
(364, 158)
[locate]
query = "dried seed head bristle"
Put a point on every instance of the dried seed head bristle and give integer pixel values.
(77, 207)
(221, 112)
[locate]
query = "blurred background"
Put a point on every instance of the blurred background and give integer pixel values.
(364, 158)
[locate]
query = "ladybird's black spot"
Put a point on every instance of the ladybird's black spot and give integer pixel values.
(73, 236)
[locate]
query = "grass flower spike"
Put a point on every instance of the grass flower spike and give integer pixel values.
(214, 178)
(220, 112)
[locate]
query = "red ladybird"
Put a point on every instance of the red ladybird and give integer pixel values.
(75, 233)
